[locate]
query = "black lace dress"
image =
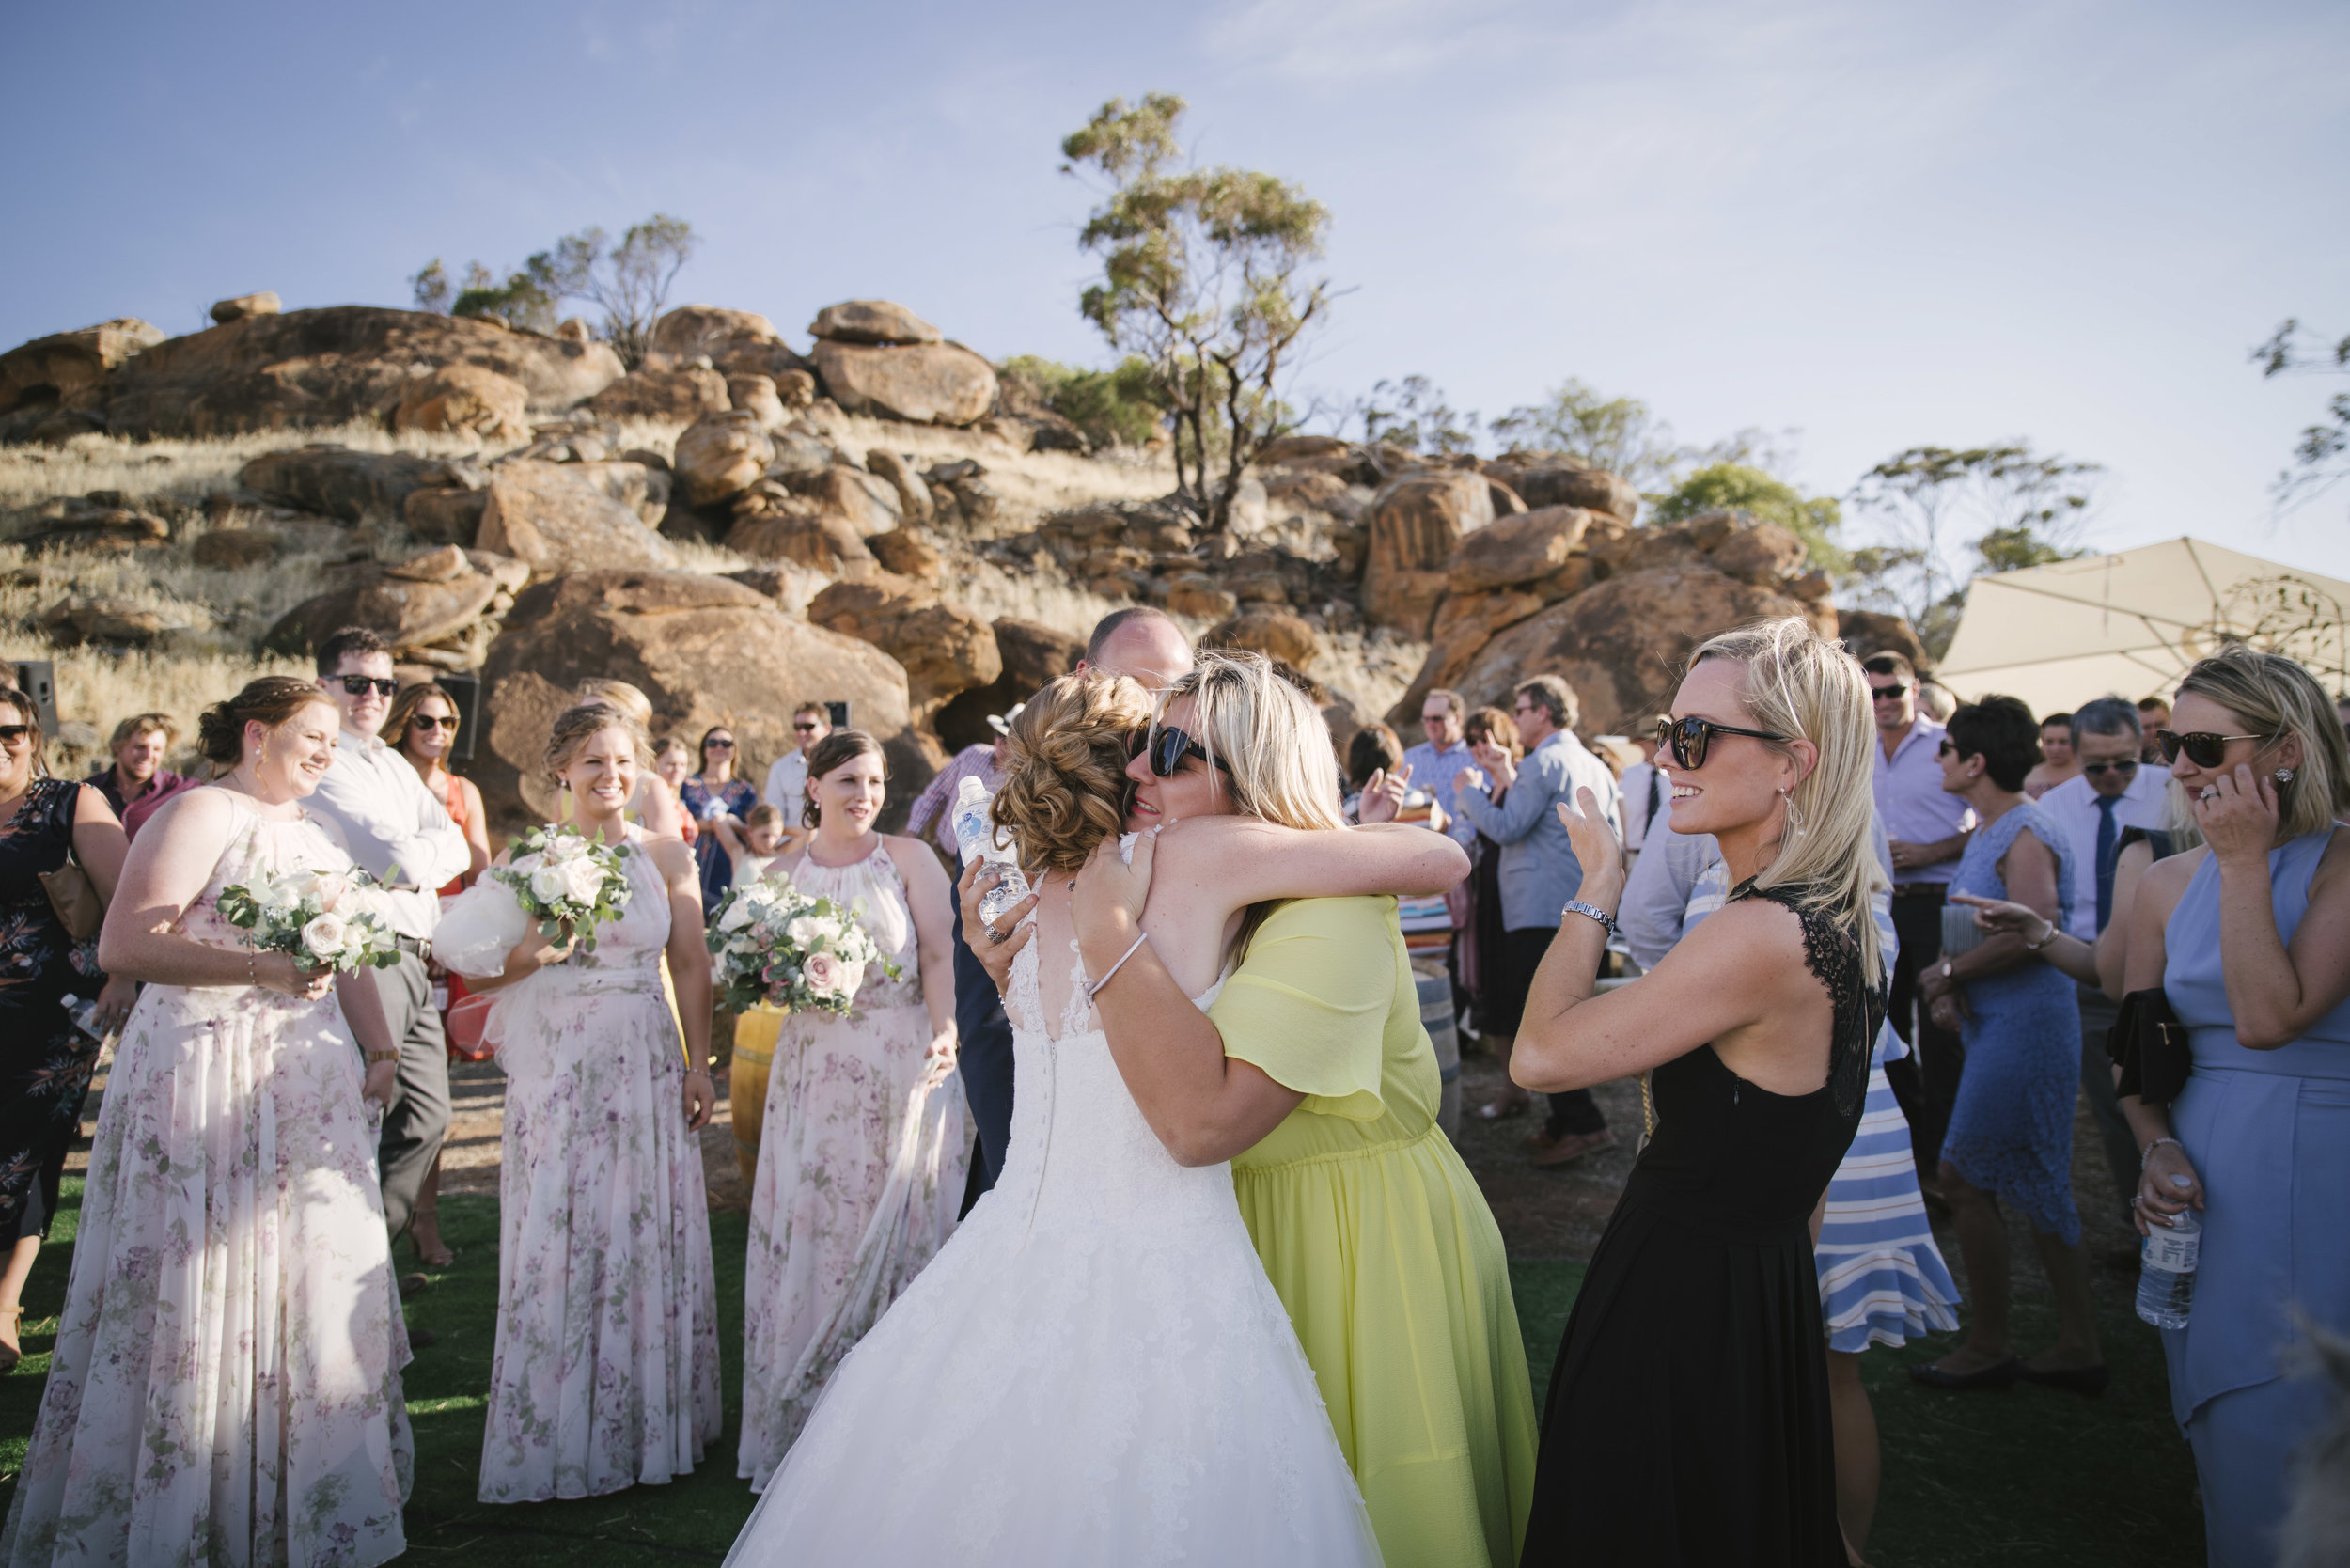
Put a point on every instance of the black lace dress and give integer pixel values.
(45, 1062)
(1687, 1421)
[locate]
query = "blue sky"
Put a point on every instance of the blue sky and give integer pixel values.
(1879, 225)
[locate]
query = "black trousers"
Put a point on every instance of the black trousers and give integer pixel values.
(1522, 951)
(1925, 1081)
(983, 1054)
(2113, 1128)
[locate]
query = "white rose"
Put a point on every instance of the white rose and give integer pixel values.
(547, 885)
(583, 879)
(802, 933)
(852, 977)
(739, 914)
(325, 935)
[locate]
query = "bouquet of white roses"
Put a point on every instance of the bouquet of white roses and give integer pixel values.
(567, 881)
(325, 919)
(769, 942)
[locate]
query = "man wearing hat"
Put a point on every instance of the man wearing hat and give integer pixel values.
(933, 814)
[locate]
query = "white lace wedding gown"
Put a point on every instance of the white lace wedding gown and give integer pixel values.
(1094, 1370)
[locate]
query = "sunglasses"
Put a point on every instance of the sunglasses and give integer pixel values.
(12, 734)
(1167, 747)
(426, 721)
(2098, 770)
(717, 745)
(2203, 749)
(805, 729)
(1886, 694)
(1689, 739)
(356, 685)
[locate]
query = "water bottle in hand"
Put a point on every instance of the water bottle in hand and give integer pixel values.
(85, 1016)
(976, 834)
(2166, 1279)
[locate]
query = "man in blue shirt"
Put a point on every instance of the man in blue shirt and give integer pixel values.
(1432, 765)
(1517, 808)
(1928, 828)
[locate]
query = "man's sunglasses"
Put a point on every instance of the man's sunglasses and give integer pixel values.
(426, 721)
(1166, 746)
(805, 729)
(2203, 749)
(357, 686)
(2098, 770)
(1689, 739)
(12, 734)
(1886, 694)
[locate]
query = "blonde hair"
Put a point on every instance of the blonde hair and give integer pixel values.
(629, 699)
(1271, 743)
(1064, 788)
(1798, 684)
(574, 727)
(2274, 698)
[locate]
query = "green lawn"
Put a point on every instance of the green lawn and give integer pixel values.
(2026, 1476)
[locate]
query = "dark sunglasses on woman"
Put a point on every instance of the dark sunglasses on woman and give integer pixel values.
(1689, 739)
(12, 734)
(2203, 749)
(1167, 747)
(428, 721)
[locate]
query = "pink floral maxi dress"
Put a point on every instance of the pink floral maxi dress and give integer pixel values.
(606, 1367)
(225, 1383)
(861, 1167)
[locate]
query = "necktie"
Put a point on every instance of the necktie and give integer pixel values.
(1648, 819)
(2104, 858)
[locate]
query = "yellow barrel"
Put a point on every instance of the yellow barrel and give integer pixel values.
(755, 1035)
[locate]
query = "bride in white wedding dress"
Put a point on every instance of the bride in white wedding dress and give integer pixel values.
(1094, 1369)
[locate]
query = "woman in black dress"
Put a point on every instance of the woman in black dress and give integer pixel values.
(45, 1060)
(1687, 1421)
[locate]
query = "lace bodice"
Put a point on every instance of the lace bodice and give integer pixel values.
(1081, 1154)
(1857, 1007)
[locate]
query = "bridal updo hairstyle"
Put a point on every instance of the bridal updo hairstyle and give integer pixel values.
(1798, 684)
(1064, 788)
(574, 726)
(1267, 733)
(269, 701)
(840, 746)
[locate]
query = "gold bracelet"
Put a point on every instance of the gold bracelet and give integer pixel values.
(2034, 946)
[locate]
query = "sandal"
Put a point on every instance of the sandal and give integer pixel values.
(11, 1354)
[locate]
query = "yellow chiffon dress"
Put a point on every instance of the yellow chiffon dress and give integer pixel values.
(1377, 1240)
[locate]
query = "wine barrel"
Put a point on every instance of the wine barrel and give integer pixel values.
(1435, 1016)
(755, 1035)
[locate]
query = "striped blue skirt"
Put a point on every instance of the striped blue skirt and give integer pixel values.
(1882, 1279)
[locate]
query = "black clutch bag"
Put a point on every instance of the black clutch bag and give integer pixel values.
(2149, 1044)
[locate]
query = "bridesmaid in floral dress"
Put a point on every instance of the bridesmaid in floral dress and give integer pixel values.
(862, 1161)
(226, 1384)
(606, 1367)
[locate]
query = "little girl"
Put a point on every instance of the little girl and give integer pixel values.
(757, 846)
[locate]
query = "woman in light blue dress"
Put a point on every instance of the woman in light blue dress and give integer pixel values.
(2011, 1132)
(2249, 940)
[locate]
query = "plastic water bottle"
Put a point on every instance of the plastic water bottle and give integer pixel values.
(2166, 1278)
(976, 834)
(85, 1016)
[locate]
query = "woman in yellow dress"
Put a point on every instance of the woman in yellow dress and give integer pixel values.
(1309, 1071)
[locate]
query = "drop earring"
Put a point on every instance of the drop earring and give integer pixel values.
(1794, 818)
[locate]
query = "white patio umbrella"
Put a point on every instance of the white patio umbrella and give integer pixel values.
(2132, 622)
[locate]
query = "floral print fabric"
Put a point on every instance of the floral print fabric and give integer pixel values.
(606, 1367)
(45, 1062)
(226, 1384)
(861, 1167)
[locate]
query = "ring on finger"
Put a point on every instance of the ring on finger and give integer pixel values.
(2209, 792)
(994, 936)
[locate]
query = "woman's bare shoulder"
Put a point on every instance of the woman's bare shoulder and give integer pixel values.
(670, 856)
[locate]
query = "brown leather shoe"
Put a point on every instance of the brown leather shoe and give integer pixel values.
(1550, 1151)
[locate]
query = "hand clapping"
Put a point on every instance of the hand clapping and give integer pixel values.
(1383, 795)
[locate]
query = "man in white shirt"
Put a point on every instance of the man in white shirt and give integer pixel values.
(1646, 794)
(398, 833)
(2113, 791)
(787, 779)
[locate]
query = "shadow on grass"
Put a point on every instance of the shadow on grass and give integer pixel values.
(2026, 1476)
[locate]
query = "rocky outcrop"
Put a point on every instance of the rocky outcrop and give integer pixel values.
(336, 481)
(66, 372)
(637, 485)
(429, 607)
(704, 649)
(1554, 482)
(945, 647)
(924, 384)
(908, 553)
(871, 322)
(329, 367)
(98, 521)
(720, 456)
(913, 493)
(105, 619)
(828, 543)
(245, 306)
(1033, 655)
(445, 516)
(735, 342)
(466, 399)
(868, 503)
(1868, 632)
(556, 521)
(1413, 525)
(1526, 548)
(678, 396)
(1276, 633)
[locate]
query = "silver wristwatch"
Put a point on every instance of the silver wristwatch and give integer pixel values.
(1577, 906)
